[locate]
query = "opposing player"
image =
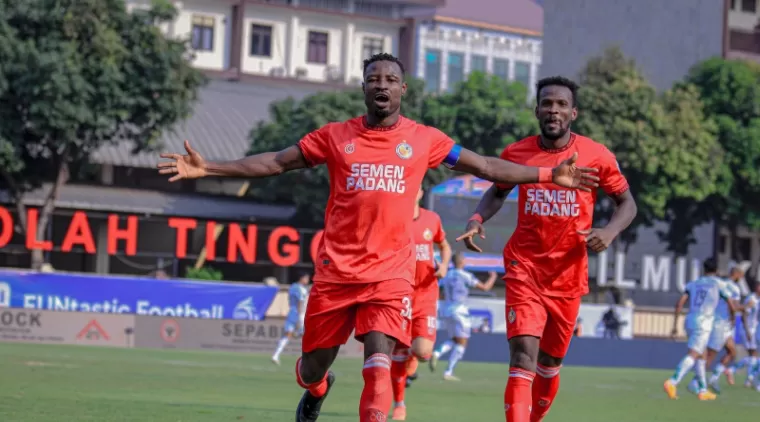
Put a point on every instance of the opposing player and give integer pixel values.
(750, 322)
(428, 231)
(455, 313)
(365, 264)
(703, 295)
(545, 260)
(722, 334)
(297, 295)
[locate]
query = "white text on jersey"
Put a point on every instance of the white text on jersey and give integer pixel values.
(423, 252)
(551, 203)
(378, 177)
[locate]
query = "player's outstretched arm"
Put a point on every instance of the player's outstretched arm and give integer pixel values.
(566, 174)
(192, 165)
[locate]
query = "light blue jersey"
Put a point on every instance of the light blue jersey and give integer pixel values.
(723, 325)
(456, 289)
(752, 318)
(705, 294)
(297, 294)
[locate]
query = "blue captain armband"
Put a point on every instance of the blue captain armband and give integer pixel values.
(452, 158)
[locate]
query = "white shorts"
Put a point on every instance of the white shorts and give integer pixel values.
(458, 323)
(722, 331)
(698, 337)
(292, 322)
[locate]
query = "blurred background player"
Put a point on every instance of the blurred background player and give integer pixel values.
(703, 295)
(428, 231)
(723, 332)
(546, 259)
(455, 313)
(750, 322)
(297, 295)
(365, 263)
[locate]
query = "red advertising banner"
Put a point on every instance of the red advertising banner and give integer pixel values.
(283, 245)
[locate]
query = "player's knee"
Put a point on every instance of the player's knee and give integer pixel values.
(544, 359)
(523, 352)
(377, 342)
(311, 370)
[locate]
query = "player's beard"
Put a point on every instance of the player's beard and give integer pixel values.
(555, 135)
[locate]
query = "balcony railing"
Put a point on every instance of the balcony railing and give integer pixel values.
(744, 41)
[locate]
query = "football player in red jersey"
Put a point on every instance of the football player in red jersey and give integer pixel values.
(545, 260)
(365, 265)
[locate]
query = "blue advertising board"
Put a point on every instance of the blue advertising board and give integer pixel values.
(134, 295)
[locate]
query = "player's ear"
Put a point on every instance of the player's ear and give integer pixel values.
(403, 88)
(535, 111)
(574, 114)
(363, 88)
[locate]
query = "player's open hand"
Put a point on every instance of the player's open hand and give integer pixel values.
(598, 239)
(473, 228)
(569, 175)
(189, 166)
(441, 272)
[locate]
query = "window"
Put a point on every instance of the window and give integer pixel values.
(456, 69)
(432, 70)
(203, 33)
(261, 40)
(477, 63)
(317, 51)
(371, 46)
(733, 4)
(749, 6)
(501, 68)
(522, 73)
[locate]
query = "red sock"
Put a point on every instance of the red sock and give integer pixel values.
(545, 388)
(377, 395)
(317, 389)
(517, 398)
(398, 375)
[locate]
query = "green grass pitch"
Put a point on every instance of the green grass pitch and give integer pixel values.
(40, 383)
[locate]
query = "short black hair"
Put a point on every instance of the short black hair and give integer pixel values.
(710, 265)
(384, 57)
(558, 81)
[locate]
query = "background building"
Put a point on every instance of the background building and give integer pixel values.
(502, 38)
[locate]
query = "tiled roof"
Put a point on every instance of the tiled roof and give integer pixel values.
(521, 14)
(219, 127)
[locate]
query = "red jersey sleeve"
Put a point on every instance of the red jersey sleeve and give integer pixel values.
(440, 147)
(439, 235)
(612, 180)
(314, 146)
(505, 156)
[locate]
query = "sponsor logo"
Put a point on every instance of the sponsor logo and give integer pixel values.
(349, 149)
(404, 150)
(170, 331)
(512, 316)
(427, 235)
(245, 309)
(93, 331)
(21, 319)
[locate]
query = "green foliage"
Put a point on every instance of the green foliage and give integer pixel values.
(78, 74)
(664, 143)
(203, 273)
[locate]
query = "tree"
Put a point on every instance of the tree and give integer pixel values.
(484, 113)
(291, 120)
(78, 74)
(653, 137)
(730, 91)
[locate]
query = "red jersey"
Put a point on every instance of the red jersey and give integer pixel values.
(375, 174)
(546, 248)
(427, 231)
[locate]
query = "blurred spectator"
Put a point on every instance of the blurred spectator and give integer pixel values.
(578, 330)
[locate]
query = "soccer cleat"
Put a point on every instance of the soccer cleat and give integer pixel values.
(399, 413)
(450, 377)
(715, 386)
(309, 406)
(276, 361)
(706, 396)
(670, 389)
(433, 362)
(729, 377)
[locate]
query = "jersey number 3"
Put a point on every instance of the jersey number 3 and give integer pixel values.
(406, 312)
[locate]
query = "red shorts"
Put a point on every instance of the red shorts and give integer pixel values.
(334, 310)
(530, 313)
(425, 312)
